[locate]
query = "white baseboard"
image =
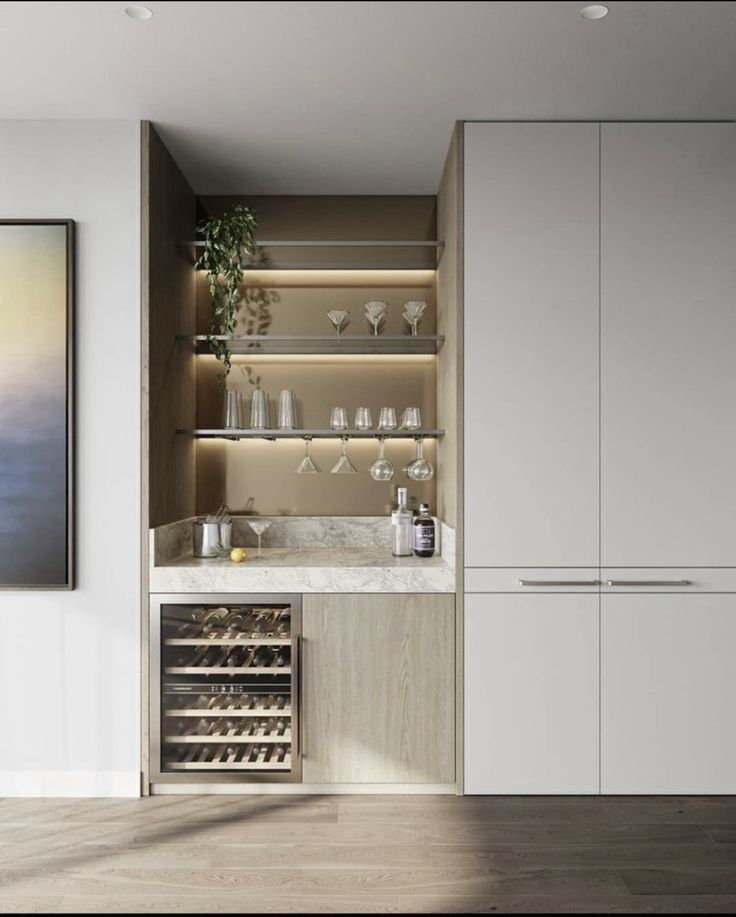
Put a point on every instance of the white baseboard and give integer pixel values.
(69, 783)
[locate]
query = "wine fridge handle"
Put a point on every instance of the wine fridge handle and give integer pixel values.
(297, 703)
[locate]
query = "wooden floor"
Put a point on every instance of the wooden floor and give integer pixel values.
(369, 855)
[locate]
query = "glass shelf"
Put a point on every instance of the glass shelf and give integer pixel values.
(322, 344)
(311, 434)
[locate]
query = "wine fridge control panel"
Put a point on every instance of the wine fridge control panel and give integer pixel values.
(225, 688)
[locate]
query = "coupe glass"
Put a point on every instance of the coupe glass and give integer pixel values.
(307, 466)
(375, 312)
(420, 469)
(344, 465)
(413, 312)
(259, 528)
(382, 469)
(340, 319)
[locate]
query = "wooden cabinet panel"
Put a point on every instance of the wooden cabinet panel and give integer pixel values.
(531, 694)
(531, 345)
(668, 687)
(379, 688)
(668, 338)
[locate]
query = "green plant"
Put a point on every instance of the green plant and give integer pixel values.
(226, 239)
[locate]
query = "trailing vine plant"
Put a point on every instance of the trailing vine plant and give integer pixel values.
(226, 240)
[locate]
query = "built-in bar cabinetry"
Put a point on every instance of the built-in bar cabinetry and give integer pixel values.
(322, 689)
(379, 689)
(600, 447)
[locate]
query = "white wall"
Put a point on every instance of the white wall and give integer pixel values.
(70, 661)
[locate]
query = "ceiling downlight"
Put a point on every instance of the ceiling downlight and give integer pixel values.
(139, 13)
(594, 11)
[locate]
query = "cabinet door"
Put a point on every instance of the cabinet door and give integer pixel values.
(531, 345)
(668, 340)
(379, 688)
(668, 688)
(531, 694)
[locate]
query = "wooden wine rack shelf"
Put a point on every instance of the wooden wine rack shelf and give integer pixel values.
(251, 757)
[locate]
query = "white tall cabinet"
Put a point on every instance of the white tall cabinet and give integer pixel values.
(600, 447)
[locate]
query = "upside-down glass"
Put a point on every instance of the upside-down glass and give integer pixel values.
(307, 466)
(343, 464)
(420, 469)
(382, 469)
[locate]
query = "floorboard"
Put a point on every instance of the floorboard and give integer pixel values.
(363, 854)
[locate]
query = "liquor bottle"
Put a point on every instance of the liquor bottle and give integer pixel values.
(425, 533)
(401, 521)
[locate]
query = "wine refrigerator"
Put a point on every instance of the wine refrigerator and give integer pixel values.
(224, 688)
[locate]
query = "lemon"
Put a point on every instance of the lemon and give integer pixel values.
(238, 555)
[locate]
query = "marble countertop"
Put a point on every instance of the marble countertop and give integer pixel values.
(306, 570)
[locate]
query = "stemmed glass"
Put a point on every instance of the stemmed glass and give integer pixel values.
(382, 469)
(420, 469)
(375, 311)
(340, 319)
(259, 528)
(343, 464)
(412, 314)
(307, 466)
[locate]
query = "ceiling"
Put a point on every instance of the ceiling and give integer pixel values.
(357, 97)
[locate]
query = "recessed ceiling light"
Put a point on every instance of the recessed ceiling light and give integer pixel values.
(138, 12)
(594, 11)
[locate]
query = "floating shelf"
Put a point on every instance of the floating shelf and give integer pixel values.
(328, 344)
(312, 434)
(339, 254)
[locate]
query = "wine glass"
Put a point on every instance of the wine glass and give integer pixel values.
(343, 464)
(258, 529)
(412, 314)
(339, 419)
(420, 469)
(375, 312)
(307, 466)
(340, 319)
(382, 469)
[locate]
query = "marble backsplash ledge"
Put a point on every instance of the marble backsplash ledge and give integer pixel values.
(172, 542)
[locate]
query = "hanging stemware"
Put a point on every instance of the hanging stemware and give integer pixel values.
(343, 464)
(307, 466)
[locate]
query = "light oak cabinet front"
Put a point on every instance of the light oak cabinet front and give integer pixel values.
(379, 688)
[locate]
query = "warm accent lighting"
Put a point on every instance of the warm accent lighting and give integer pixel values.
(138, 12)
(594, 11)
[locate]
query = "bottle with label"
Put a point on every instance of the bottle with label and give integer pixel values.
(401, 526)
(425, 533)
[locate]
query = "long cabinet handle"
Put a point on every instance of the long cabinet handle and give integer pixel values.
(559, 582)
(649, 582)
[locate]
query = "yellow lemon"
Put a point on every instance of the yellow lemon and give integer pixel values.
(238, 555)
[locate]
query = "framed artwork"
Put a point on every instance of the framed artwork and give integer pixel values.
(36, 404)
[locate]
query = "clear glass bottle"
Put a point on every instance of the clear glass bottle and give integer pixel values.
(425, 533)
(401, 523)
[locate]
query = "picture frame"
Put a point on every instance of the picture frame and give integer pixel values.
(37, 473)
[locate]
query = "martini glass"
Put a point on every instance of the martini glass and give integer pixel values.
(307, 466)
(259, 528)
(343, 464)
(375, 312)
(339, 319)
(413, 312)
